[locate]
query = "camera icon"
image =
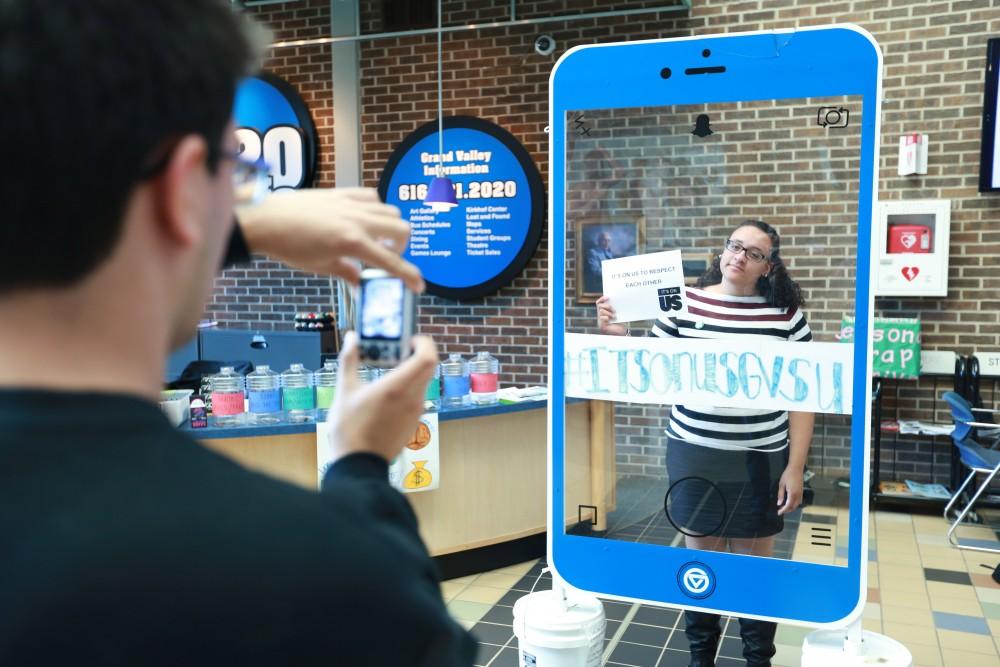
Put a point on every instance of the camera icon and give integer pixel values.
(833, 117)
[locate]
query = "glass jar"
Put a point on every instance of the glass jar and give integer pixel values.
(264, 392)
(432, 397)
(326, 388)
(455, 382)
(297, 396)
(484, 376)
(226, 392)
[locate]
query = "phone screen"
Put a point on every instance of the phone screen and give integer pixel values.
(382, 308)
(704, 466)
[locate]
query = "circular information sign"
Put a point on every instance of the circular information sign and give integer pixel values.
(483, 243)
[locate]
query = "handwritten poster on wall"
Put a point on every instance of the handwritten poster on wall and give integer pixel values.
(803, 377)
(895, 345)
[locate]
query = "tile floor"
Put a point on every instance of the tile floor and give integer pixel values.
(938, 601)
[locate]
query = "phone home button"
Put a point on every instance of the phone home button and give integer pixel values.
(373, 352)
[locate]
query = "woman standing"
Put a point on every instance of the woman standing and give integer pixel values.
(734, 472)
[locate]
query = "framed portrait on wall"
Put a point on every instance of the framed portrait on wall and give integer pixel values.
(601, 239)
(912, 252)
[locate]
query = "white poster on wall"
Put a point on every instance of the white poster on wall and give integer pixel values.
(418, 466)
(761, 374)
(644, 287)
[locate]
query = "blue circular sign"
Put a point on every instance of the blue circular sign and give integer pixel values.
(273, 124)
(483, 243)
(696, 580)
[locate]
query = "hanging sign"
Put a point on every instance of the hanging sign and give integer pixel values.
(482, 244)
(273, 124)
(895, 346)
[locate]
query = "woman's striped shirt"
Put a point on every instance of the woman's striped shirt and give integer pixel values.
(719, 316)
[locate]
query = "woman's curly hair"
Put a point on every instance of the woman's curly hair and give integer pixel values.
(777, 287)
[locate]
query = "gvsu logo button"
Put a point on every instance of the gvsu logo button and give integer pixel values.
(696, 580)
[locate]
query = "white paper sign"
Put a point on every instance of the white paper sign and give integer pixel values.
(644, 287)
(418, 466)
(738, 373)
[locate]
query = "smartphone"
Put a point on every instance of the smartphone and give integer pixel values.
(680, 144)
(386, 318)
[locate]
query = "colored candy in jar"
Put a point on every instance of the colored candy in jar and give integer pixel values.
(226, 392)
(264, 393)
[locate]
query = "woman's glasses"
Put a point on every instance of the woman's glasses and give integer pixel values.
(753, 254)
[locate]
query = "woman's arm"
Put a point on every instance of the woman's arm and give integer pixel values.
(800, 432)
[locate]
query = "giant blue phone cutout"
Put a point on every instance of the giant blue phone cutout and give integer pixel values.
(667, 144)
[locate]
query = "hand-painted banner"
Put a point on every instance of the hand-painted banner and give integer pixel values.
(762, 374)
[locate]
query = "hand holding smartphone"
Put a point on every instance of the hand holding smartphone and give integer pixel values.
(386, 318)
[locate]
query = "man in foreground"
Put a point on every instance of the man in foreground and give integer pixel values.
(121, 540)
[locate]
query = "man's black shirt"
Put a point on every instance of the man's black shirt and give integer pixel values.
(123, 541)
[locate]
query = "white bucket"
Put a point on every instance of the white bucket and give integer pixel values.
(549, 635)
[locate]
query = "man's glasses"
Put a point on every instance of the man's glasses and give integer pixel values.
(251, 181)
(753, 254)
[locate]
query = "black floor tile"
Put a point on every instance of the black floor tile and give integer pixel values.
(635, 654)
(500, 615)
(678, 641)
(731, 647)
(650, 635)
(510, 597)
(507, 658)
(615, 611)
(490, 633)
(665, 618)
(947, 576)
(673, 658)
(819, 518)
(486, 653)
(732, 629)
(729, 662)
(610, 628)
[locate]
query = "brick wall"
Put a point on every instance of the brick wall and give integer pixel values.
(934, 52)
(267, 294)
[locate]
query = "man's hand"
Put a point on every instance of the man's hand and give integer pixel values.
(379, 418)
(327, 231)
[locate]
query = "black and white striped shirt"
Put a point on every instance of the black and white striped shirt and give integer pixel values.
(719, 316)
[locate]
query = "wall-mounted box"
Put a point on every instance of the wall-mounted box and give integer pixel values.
(912, 238)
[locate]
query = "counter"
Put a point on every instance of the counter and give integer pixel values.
(493, 469)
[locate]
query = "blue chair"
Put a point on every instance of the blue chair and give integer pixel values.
(978, 459)
(966, 426)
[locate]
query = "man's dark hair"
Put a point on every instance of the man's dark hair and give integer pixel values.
(95, 94)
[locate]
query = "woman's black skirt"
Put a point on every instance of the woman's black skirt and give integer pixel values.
(723, 493)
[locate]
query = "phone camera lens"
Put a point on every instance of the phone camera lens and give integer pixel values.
(665, 73)
(706, 53)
